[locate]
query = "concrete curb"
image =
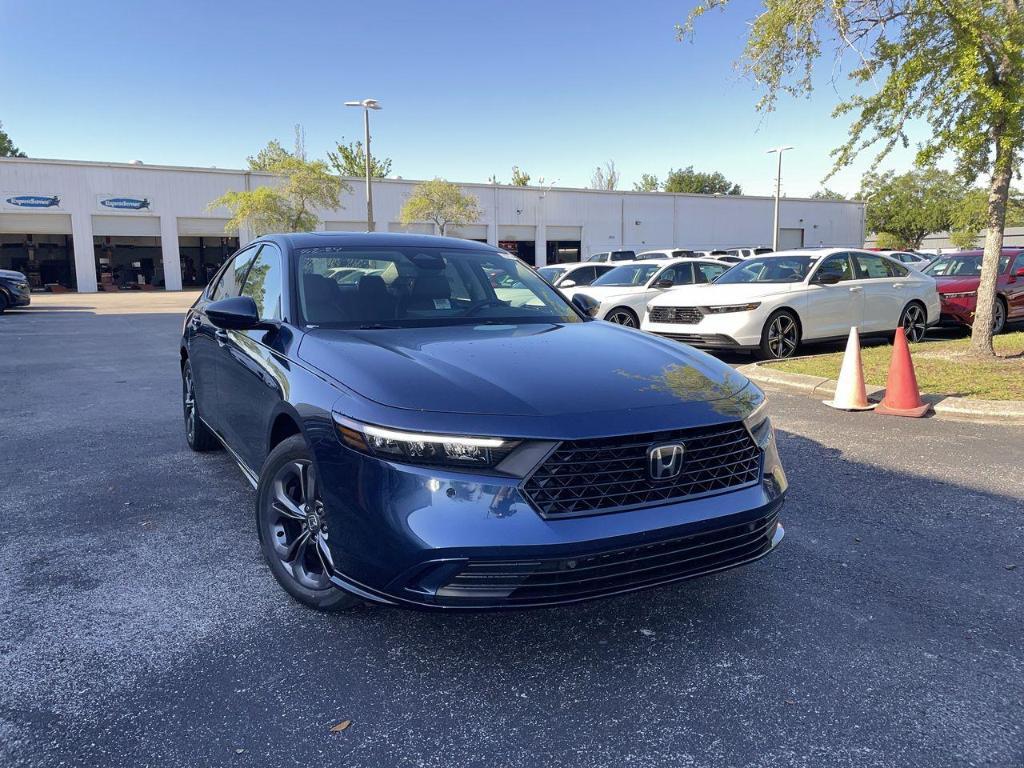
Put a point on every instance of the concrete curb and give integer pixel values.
(955, 408)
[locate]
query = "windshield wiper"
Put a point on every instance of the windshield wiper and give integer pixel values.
(378, 326)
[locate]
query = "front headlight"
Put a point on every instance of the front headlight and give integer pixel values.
(759, 424)
(722, 308)
(960, 295)
(422, 447)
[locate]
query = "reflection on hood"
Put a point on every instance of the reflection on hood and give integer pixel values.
(731, 394)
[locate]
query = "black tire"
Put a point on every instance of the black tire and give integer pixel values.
(780, 337)
(914, 320)
(293, 528)
(623, 316)
(197, 434)
(999, 316)
(3, 302)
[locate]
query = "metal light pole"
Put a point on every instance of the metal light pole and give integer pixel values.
(778, 192)
(367, 105)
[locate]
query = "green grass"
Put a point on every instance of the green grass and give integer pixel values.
(940, 367)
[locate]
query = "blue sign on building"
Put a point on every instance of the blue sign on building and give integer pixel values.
(126, 203)
(34, 201)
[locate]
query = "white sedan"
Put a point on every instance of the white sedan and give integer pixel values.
(772, 303)
(623, 293)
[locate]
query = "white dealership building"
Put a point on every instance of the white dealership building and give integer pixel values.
(86, 226)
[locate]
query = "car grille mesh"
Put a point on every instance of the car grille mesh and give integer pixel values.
(610, 474)
(686, 315)
(542, 581)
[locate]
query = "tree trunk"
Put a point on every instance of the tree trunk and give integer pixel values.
(999, 191)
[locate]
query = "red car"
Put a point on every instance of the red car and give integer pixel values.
(957, 276)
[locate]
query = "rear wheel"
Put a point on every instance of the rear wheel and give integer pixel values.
(623, 316)
(780, 336)
(999, 316)
(915, 322)
(293, 528)
(200, 438)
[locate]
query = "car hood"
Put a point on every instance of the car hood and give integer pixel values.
(604, 292)
(957, 284)
(521, 370)
(10, 274)
(710, 293)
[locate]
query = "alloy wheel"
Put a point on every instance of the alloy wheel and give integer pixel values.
(622, 318)
(298, 525)
(188, 396)
(783, 337)
(914, 323)
(998, 317)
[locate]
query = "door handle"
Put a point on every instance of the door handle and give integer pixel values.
(898, 286)
(856, 289)
(222, 338)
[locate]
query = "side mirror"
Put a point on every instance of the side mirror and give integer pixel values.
(586, 304)
(664, 284)
(567, 284)
(829, 279)
(237, 313)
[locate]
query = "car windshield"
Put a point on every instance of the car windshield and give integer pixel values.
(353, 287)
(967, 265)
(551, 273)
(775, 269)
(632, 274)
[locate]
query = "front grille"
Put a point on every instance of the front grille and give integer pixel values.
(558, 580)
(611, 474)
(685, 315)
(701, 339)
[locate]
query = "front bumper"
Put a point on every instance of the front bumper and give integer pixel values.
(731, 330)
(16, 298)
(957, 311)
(434, 538)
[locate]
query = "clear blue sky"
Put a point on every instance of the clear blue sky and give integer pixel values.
(468, 88)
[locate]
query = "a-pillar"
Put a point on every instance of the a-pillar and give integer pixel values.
(171, 252)
(85, 252)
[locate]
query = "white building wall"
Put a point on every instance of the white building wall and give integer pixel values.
(178, 199)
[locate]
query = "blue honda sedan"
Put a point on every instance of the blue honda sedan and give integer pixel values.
(428, 423)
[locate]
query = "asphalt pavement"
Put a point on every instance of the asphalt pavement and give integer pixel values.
(140, 627)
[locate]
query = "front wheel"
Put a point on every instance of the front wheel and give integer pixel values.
(623, 316)
(914, 322)
(3, 302)
(780, 336)
(293, 527)
(998, 317)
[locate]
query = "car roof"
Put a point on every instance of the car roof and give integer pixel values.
(362, 239)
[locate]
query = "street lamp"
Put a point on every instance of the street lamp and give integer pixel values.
(367, 105)
(778, 190)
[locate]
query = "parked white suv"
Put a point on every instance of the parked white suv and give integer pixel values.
(774, 302)
(623, 293)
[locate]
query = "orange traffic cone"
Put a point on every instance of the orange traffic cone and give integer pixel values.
(902, 396)
(851, 394)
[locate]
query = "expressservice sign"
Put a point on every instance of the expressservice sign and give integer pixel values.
(14, 200)
(124, 203)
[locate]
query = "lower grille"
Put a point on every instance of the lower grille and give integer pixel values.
(559, 580)
(686, 315)
(612, 474)
(701, 339)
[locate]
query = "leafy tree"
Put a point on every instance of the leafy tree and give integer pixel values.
(441, 202)
(7, 148)
(828, 194)
(970, 216)
(520, 178)
(956, 65)
(289, 205)
(350, 160)
(648, 183)
(887, 241)
(605, 178)
(700, 183)
(911, 205)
